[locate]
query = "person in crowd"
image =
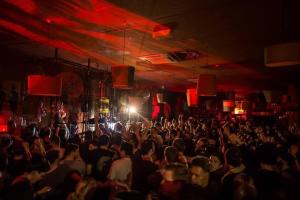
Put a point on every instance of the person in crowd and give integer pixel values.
(170, 155)
(235, 166)
(84, 190)
(186, 158)
(120, 173)
(178, 143)
(200, 186)
(175, 176)
(143, 167)
(267, 180)
(244, 188)
(100, 158)
(22, 187)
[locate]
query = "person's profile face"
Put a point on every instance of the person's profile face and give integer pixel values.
(198, 175)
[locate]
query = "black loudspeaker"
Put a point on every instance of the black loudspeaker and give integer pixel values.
(123, 76)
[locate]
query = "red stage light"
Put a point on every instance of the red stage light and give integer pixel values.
(228, 105)
(3, 123)
(48, 21)
(3, 128)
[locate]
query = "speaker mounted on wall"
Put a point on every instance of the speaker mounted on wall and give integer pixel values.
(44, 85)
(123, 76)
(206, 85)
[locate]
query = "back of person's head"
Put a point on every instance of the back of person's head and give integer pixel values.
(171, 154)
(178, 143)
(157, 125)
(233, 157)
(219, 155)
(203, 142)
(55, 140)
(37, 163)
(88, 136)
(153, 130)
(70, 148)
(118, 127)
(201, 161)
(244, 188)
(267, 154)
(75, 140)
(70, 181)
(44, 133)
(17, 148)
(103, 140)
(146, 147)
(5, 142)
(286, 157)
(52, 156)
(26, 133)
(127, 148)
(178, 171)
(95, 141)
(116, 139)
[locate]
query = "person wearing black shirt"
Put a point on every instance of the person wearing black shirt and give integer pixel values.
(200, 186)
(267, 180)
(143, 167)
(100, 158)
(22, 187)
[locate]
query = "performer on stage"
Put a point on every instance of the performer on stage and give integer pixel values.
(61, 120)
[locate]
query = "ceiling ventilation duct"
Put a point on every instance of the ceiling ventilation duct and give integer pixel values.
(280, 55)
(171, 57)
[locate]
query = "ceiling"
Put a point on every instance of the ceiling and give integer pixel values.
(229, 35)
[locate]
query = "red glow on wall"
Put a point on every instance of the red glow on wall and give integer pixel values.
(3, 123)
(3, 128)
(192, 97)
(44, 85)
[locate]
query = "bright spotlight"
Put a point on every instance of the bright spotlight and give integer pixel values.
(132, 109)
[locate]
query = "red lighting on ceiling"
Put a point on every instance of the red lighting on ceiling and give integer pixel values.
(82, 25)
(161, 31)
(27, 6)
(228, 103)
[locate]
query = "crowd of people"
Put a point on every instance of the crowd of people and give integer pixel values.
(183, 158)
